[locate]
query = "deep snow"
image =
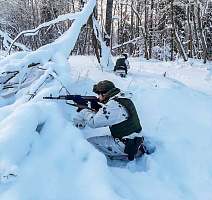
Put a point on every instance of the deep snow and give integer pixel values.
(58, 163)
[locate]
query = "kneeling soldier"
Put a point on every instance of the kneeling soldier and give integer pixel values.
(119, 113)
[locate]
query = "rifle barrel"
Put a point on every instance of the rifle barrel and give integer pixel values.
(59, 97)
(72, 97)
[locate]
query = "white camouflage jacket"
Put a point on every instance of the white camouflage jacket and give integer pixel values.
(110, 114)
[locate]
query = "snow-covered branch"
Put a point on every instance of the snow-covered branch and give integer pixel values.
(68, 16)
(125, 43)
(7, 40)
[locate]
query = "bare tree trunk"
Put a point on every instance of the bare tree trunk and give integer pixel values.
(114, 36)
(2, 43)
(190, 46)
(146, 53)
(151, 30)
(73, 8)
(118, 37)
(197, 52)
(131, 31)
(109, 10)
(102, 17)
(85, 42)
(121, 25)
(172, 31)
(138, 19)
(202, 37)
(89, 39)
(180, 46)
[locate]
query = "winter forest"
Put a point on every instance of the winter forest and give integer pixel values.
(52, 48)
(153, 29)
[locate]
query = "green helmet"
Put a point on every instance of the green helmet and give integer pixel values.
(103, 87)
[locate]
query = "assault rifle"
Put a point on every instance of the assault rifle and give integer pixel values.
(89, 102)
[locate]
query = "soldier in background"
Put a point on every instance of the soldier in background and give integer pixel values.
(122, 66)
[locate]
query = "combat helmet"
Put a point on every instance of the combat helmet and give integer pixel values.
(103, 87)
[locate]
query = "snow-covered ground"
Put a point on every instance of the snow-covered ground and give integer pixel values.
(2, 53)
(58, 163)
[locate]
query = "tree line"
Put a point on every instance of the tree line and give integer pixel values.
(162, 29)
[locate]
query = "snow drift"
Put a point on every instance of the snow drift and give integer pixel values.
(57, 162)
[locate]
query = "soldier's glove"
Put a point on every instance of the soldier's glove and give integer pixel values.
(79, 123)
(78, 120)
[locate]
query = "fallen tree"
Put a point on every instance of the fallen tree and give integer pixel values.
(50, 61)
